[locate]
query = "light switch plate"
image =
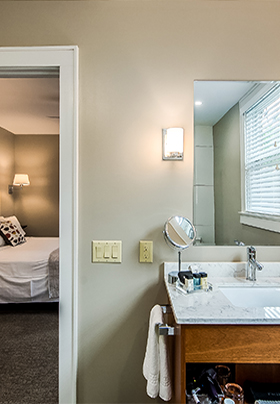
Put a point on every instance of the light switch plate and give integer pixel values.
(106, 251)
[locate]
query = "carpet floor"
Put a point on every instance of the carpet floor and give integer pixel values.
(29, 353)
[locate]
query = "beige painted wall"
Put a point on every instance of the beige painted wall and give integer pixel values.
(7, 170)
(37, 206)
(138, 60)
(227, 183)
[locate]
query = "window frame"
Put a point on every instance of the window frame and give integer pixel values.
(259, 220)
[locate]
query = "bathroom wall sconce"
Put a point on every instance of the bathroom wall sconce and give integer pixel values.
(20, 180)
(173, 144)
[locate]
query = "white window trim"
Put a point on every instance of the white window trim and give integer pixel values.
(266, 222)
(261, 221)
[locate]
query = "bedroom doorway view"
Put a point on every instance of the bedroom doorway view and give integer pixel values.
(29, 261)
(65, 58)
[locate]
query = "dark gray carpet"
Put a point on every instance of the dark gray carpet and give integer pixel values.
(29, 353)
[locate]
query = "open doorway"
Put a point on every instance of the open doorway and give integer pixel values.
(66, 60)
(29, 134)
(29, 269)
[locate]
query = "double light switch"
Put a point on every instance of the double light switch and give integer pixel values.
(106, 251)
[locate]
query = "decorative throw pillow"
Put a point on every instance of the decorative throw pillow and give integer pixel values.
(16, 222)
(11, 234)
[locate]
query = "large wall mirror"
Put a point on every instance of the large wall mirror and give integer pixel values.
(225, 212)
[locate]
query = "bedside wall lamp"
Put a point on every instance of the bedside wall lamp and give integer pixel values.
(173, 144)
(20, 180)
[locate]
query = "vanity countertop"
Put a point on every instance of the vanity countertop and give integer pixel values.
(212, 307)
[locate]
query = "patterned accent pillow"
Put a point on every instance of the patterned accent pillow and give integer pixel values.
(16, 222)
(11, 234)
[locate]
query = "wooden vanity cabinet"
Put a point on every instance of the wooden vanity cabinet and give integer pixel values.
(253, 349)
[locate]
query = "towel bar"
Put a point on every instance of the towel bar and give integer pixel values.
(166, 308)
(164, 329)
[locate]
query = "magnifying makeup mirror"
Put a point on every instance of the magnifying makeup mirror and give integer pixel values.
(179, 233)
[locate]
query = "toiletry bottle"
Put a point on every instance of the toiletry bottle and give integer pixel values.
(203, 280)
(196, 281)
(189, 282)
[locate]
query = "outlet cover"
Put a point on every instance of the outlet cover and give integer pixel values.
(145, 251)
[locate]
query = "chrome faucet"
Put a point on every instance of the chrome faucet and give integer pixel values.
(252, 264)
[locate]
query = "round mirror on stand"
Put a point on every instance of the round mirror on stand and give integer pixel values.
(179, 233)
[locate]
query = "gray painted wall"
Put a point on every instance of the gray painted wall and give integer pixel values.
(37, 205)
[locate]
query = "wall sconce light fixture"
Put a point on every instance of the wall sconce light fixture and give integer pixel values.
(20, 180)
(173, 144)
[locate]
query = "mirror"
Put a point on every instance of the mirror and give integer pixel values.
(179, 233)
(217, 165)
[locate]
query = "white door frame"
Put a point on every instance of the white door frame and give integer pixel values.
(66, 58)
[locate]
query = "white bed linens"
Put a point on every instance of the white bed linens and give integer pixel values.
(24, 270)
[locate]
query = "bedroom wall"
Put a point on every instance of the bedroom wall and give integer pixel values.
(37, 205)
(7, 144)
(138, 61)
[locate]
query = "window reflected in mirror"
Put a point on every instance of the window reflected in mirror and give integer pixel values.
(237, 162)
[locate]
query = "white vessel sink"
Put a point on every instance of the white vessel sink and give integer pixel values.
(252, 296)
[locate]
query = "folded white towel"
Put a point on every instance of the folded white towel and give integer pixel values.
(156, 363)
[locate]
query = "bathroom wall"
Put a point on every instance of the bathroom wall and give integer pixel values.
(138, 61)
(227, 179)
(7, 167)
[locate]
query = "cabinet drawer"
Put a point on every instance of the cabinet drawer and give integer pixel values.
(231, 343)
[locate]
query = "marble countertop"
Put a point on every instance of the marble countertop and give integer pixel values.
(212, 307)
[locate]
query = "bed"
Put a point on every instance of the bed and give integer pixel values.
(29, 271)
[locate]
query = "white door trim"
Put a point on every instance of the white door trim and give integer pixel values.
(66, 58)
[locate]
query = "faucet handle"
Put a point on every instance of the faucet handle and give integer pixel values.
(251, 252)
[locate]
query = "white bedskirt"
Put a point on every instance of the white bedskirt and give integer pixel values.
(24, 270)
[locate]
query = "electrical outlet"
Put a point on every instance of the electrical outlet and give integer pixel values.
(146, 251)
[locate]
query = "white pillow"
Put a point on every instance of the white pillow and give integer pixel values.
(2, 241)
(15, 221)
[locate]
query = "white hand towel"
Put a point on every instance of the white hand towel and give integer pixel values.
(156, 366)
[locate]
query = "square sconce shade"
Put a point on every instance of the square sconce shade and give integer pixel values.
(173, 144)
(21, 180)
